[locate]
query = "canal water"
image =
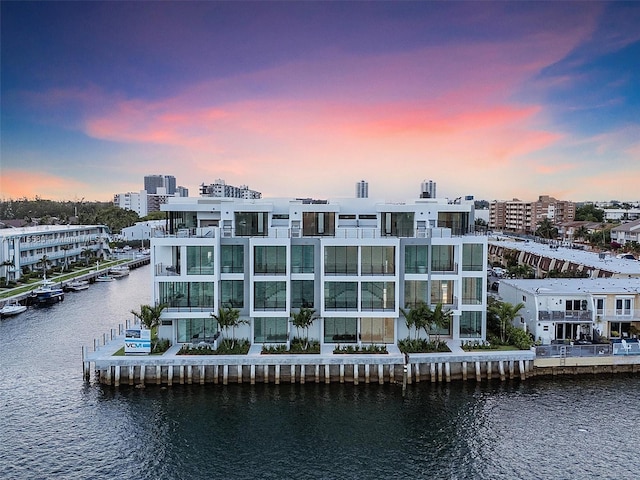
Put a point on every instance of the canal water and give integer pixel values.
(53, 425)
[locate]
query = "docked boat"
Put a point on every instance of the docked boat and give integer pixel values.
(48, 293)
(119, 271)
(12, 308)
(104, 278)
(76, 286)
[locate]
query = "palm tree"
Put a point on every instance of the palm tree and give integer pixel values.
(581, 233)
(86, 253)
(229, 318)
(6, 264)
(149, 315)
(546, 229)
(440, 319)
(303, 319)
(44, 261)
(65, 249)
(417, 318)
(506, 313)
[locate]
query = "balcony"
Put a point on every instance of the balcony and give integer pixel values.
(162, 270)
(566, 315)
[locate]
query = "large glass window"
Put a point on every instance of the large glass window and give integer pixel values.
(302, 293)
(270, 260)
(378, 260)
(458, 222)
(232, 293)
(341, 295)
(378, 296)
(415, 291)
(232, 258)
(302, 258)
(397, 224)
(196, 329)
(377, 330)
(318, 224)
(270, 330)
(415, 258)
(472, 291)
(341, 260)
(442, 292)
(442, 258)
(340, 330)
(200, 260)
(193, 295)
(270, 296)
(472, 257)
(471, 325)
(251, 224)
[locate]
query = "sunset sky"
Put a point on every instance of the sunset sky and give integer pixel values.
(303, 99)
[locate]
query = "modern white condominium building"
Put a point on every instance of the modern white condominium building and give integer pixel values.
(356, 262)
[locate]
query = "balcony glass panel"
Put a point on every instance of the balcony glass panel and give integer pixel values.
(200, 260)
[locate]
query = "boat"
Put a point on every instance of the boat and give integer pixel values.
(104, 276)
(119, 271)
(76, 286)
(11, 308)
(48, 293)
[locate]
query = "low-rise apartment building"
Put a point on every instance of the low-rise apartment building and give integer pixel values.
(523, 217)
(576, 309)
(23, 248)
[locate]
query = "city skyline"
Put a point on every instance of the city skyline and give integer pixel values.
(498, 100)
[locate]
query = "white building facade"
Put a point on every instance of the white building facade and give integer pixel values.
(355, 262)
(23, 248)
(575, 309)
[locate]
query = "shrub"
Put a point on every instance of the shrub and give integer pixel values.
(420, 345)
(367, 349)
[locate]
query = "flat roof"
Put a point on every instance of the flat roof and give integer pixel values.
(41, 229)
(580, 257)
(553, 286)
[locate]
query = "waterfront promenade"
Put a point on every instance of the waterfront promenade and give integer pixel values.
(326, 367)
(393, 367)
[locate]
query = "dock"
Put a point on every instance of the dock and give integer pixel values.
(393, 367)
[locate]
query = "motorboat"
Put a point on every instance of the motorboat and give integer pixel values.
(12, 308)
(48, 293)
(104, 276)
(119, 271)
(76, 286)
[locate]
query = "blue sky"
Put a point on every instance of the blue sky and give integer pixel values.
(493, 99)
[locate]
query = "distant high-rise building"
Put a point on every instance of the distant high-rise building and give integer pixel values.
(220, 189)
(170, 184)
(362, 189)
(428, 189)
(182, 191)
(152, 182)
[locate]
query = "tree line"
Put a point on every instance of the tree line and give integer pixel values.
(48, 212)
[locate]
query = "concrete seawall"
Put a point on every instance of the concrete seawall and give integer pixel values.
(393, 367)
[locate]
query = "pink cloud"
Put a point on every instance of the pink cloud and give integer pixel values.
(16, 183)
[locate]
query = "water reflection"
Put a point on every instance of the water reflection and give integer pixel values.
(61, 427)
